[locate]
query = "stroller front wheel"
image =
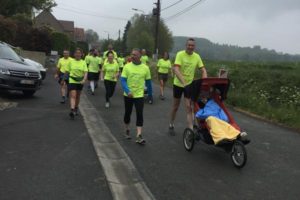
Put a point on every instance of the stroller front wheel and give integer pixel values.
(188, 139)
(238, 154)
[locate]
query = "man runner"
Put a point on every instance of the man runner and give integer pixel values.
(186, 62)
(133, 79)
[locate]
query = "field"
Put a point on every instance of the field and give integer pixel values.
(270, 90)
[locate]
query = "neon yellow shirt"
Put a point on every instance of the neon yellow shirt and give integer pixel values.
(63, 64)
(77, 69)
(136, 76)
(110, 70)
(87, 59)
(94, 63)
(121, 61)
(145, 59)
(164, 66)
(187, 66)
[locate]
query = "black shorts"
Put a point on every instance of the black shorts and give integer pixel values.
(63, 77)
(187, 91)
(93, 76)
(75, 86)
(163, 77)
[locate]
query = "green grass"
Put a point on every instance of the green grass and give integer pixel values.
(271, 90)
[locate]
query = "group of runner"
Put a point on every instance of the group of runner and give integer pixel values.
(134, 75)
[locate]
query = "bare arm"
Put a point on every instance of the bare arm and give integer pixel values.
(179, 75)
(204, 72)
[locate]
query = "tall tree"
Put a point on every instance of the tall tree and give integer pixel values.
(13, 7)
(141, 34)
(124, 39)
(91, 36)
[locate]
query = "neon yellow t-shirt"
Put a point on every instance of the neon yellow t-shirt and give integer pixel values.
(164, 66)
(87, 59)
(121, 61)
(136, 76)
(63, 64)
(77, 69)
(94, 63)
(110, 70)
(145, 59)
(187, 66)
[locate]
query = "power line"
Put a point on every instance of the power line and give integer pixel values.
(93, 15)
(184, 10)
(171, 5)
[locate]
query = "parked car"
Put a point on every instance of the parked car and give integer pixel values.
(39, 66)
(15, 74)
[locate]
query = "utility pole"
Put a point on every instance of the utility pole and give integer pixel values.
(156, 12)
(119, 35)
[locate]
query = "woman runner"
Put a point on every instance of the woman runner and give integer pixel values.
(94, 65)
(110, 74)
(77, 71)
(163, 67)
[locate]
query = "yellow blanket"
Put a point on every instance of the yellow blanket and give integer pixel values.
(220, 129)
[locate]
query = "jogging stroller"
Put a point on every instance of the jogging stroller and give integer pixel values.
(217, 89)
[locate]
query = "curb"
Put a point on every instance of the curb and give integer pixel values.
(123, 178)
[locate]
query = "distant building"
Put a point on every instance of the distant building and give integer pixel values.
(79, 34)
(45, 18)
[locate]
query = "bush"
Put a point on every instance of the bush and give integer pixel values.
(60, 42)
(8, 29)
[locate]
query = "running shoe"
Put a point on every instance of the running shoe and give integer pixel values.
(107, 105)
(171, 129)
(150, 100)
(63, 100)
(127, 135)
(76, 112)
(140, 140)
(93, 93)
(72, 115)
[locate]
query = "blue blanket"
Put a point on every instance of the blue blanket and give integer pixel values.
(211, 108)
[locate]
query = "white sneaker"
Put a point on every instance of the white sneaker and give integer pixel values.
(107, 105)
(243, 134)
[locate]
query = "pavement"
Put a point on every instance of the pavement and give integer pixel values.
(47, 156)
(170, 172)
(44, 155)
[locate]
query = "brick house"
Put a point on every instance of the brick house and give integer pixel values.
(45, 18)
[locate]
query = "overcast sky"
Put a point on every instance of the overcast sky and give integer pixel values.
(273, 24)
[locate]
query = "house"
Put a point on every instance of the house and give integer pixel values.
(79, 34)
(45, 18)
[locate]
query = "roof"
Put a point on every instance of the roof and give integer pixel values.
(68, 25)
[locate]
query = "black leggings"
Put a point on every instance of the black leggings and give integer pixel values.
(110, 89)
(139, 107)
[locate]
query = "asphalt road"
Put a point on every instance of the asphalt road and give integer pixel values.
(43, 154)
(272, 171)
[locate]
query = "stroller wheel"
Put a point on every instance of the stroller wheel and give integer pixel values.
(188, 139)
(238, 154)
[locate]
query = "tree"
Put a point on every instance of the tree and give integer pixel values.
(125, 35)
(60, 42)
(141, 34)
(8, 29)
(12, 7)
(91, 36)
